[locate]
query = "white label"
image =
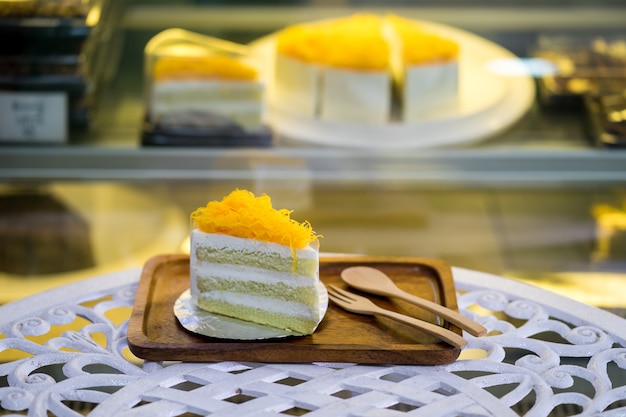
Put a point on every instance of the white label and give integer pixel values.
(33, 117)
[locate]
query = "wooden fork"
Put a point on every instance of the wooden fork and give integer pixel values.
(361, 305)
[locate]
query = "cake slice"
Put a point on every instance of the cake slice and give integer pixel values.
(206, 91)
(425, 67)
(255, 263)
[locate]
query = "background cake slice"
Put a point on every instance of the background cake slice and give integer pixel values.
(211, 87)
(255, 263)
(203, 83)
(425, 68)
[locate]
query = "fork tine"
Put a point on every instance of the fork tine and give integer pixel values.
(336, 299)
(333, 293)
(339, 301)
(345, 294)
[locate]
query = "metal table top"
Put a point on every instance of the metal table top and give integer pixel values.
(64, 352)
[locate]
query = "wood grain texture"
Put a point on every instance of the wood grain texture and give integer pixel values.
(154, 332)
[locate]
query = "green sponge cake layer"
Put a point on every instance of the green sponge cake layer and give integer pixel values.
(256, 281)
(243, 282)
(267, 260)
(254, 307)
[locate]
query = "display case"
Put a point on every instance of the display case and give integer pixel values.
(534, 189)
(51, 71)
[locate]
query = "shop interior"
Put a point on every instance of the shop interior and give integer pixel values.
(539, 196)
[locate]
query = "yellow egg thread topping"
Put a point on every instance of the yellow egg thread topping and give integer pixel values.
(354, 42)
(419, 46)
(363, 42)
(242, 214)
(202, 67)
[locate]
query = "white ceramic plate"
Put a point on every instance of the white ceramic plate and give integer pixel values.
(196, 320)
(489, 102)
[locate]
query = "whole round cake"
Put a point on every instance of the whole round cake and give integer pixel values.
(253, 262)
(364, 68)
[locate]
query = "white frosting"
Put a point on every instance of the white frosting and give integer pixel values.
(355, 96)
(352, 96)
(428, 89)
(296, 85)
(216, 88)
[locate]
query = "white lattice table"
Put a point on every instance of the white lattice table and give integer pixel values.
(64, 353)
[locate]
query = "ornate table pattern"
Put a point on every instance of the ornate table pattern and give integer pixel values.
(64, 353)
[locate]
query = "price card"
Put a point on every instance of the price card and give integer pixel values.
(33, 117)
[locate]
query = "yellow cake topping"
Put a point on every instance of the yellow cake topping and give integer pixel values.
(419, 46)
(242, 214)
(354, 42)
(202, 67)
(362, 42)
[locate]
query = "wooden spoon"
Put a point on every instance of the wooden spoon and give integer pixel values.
(374, 281)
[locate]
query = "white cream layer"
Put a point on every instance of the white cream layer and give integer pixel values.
(355, 96)
(220, 241)
(296, 86)
(429, 89)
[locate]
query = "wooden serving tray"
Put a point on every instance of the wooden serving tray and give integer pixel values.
(154, 332)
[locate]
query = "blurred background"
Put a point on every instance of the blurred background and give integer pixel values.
(541, 200)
